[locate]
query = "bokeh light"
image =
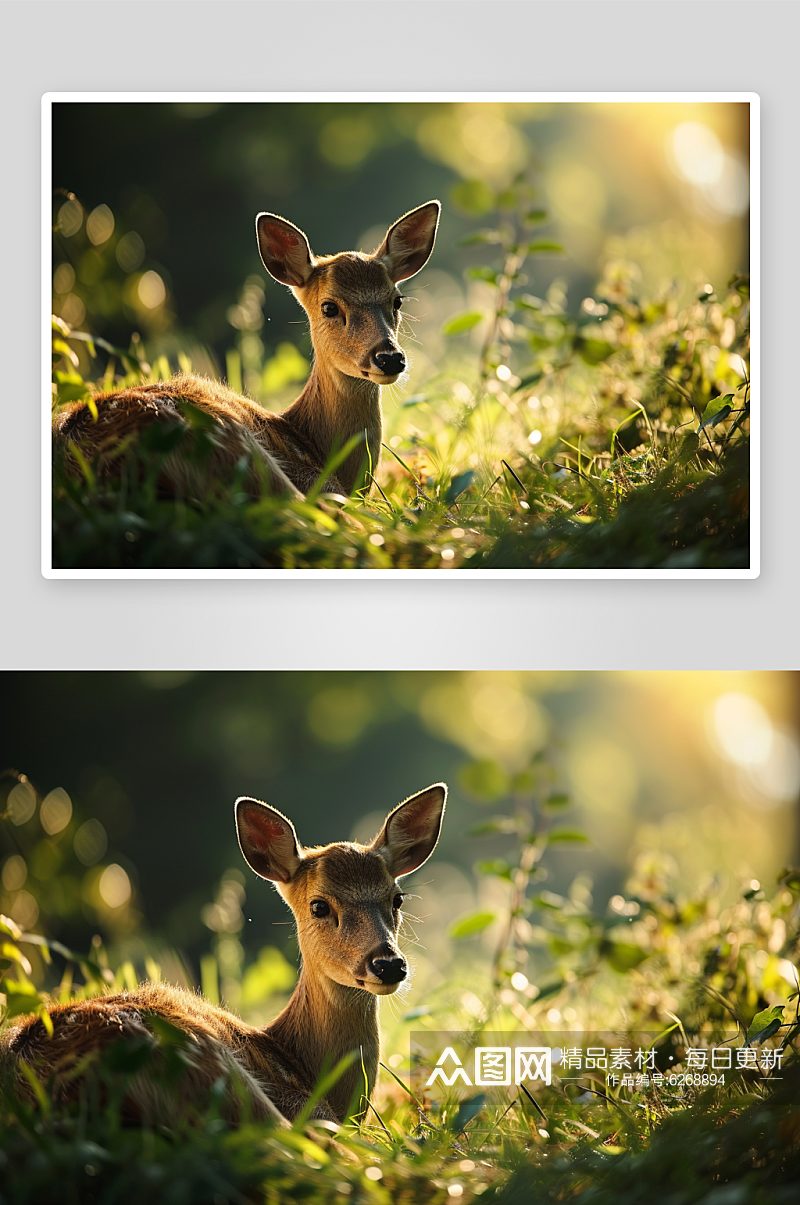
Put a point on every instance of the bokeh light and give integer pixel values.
(100, 225)
(21, 803)
(114, 886)
(91, 842)
(56, 811)
(151, 290)
(15, 873)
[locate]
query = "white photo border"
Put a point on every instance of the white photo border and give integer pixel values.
(750, 98)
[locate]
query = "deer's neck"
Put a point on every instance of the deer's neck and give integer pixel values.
(322, 1023)
(331, 410)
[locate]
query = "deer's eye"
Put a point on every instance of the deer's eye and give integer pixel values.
(398, 301)
(319, 908)
(330, 309)
(397, 903)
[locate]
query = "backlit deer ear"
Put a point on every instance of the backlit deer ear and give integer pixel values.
(408, 244)
(409, 836)
(284, 250)
(267, 840)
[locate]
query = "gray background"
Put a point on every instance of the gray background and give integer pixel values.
(375, 45)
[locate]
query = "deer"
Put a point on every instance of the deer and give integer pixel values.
(353, 306)
(347, 905)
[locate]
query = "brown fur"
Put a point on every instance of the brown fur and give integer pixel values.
(341, 398)
(332, 1011)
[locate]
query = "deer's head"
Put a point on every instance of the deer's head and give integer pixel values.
(351, 299)
(345, 897)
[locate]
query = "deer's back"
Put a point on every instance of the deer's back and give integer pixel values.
(240, 427)
(219, 1045)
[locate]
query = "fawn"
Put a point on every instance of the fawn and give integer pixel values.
(347, 905)
(353, 307)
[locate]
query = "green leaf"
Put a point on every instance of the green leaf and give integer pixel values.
(549, 989)
(765, 1024)
(539, 342)
(789, 877)
(459, 483)
(549, 899)
(72, 393)
(498, 824)
(480, 237)
(688, 447)
(197, 419)
(21, 998)
(523, 782)
(485, 779)
(564, 836)
(716, 411)
(555, 803)
(532, 378)
(471, 925)
(528, 302)
(593, 351)
(533, 216)
(9, 926)
(468, 1109)
(13, 953)
(472, 196)
(63, 349)
(559, 945)
(545, 247)
(322, 1087)
(497, 867)
(483, 273)
(462, 323)
(622, 955)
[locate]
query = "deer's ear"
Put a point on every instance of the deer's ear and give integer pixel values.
(409, 836)
(284, 250)
(408, 244)
(267, 840)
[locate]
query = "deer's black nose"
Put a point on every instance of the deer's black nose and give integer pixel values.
(389, 970)
(390, 362)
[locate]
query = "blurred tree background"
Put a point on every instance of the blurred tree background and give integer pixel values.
(159, 238)
(125, 827)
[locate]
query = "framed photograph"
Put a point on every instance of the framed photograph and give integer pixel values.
(503, 335)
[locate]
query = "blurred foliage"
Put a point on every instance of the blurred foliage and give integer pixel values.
(639, 456)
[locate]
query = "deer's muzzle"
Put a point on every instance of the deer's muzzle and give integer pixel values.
(390, 363)
(389, 970)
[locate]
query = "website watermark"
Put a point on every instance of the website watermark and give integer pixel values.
(442, 1061)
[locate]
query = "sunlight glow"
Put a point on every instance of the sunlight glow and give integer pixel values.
(697, 153)
(745, 735)
(698, 157)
